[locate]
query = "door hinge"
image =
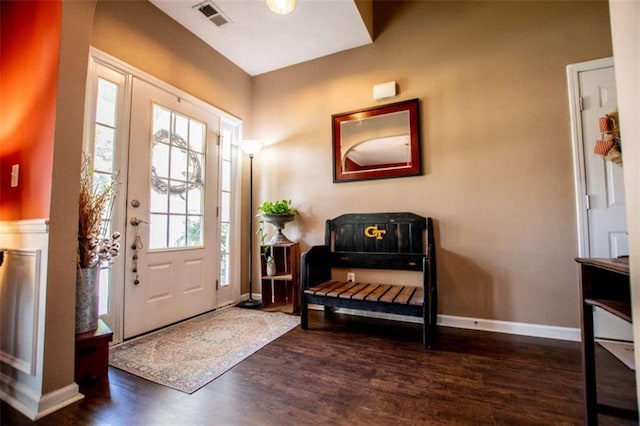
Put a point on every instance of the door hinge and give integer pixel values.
(217, 285)
(587, 201)
(217, 211)
(580, 103)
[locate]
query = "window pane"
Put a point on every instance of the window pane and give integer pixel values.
(194, 197)
(107, 103)
(225, 206)
(103, 151)
(194, 231)
(158, 202)
(103, 292)
(161, 120)
(226, 176)
(158, 231)
(180, 129)
(160, 159)
(226, 146)
(178, 164)
(177, 231)
(196, 136)
(196, 169)
(177, 204)
(224, 270)
(224, 238)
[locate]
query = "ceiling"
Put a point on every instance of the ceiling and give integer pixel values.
(258, 40)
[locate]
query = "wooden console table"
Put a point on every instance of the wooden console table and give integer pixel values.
(603, 283)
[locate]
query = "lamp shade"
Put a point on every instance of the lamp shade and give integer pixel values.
(250, 146)
(281, 7)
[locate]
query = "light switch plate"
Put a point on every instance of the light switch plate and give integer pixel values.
(15, 170)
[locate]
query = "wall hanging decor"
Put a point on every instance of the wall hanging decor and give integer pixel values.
(377, 143)
(609, 145)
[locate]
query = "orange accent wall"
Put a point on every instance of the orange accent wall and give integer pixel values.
(29, 56)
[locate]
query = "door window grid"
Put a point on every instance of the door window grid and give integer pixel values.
(225, 207)
(104, 143)
(177, 180)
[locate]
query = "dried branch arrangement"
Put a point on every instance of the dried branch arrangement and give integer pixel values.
(96, 203)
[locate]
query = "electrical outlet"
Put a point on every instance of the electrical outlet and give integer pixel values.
(351, 276)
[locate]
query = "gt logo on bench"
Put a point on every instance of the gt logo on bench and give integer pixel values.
(373, 232)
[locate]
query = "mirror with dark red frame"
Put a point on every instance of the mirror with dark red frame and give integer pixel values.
(377, 143)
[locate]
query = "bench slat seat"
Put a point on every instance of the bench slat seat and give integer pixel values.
(390, 295)
(390, 241)
(353, 290)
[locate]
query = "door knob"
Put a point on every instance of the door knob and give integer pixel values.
(135, 221)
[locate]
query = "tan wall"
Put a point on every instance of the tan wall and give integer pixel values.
(496, 144)
(141, 35)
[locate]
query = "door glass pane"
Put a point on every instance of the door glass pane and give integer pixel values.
(226, 176)
(194, 234)
(158, 231)
(177, 231)
(194, 200)
(107, 103)
(177, 203)
(196, 136)
(160, 159)
(225, 206)
(104, 142)
(103, 158)
(158, 201)
(177, 165)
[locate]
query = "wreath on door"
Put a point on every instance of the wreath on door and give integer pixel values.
(193, 178)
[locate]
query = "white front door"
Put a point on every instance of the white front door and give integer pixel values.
(172, 239)
(600, 188)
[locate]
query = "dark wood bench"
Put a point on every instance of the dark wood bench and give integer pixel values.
(394, 241)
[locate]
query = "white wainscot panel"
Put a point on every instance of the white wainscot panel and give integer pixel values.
(19, 290)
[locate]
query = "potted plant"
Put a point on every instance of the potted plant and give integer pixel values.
(269, 261)
(95, 248)
(277, 213)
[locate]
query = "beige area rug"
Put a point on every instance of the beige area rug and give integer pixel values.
(189, 355)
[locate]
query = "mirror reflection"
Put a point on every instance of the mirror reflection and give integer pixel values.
(379, 141)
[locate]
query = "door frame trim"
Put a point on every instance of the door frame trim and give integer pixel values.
(579, 174)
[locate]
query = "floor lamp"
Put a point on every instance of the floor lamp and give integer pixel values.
(250, 147)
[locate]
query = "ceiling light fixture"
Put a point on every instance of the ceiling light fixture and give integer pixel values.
(281, 7)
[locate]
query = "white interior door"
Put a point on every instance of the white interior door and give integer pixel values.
(606, 210)
(604, 232)
(172, 234)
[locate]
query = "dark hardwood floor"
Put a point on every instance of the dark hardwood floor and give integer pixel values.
(358, 371)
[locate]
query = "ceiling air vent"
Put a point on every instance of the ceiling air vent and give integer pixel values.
(212, 13)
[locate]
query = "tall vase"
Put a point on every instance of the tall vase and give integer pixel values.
(87, 298)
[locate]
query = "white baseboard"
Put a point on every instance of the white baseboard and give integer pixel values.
(25, 400)
(508, 327)
(519, 328)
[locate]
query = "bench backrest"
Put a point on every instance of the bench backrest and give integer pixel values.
(379, 240)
